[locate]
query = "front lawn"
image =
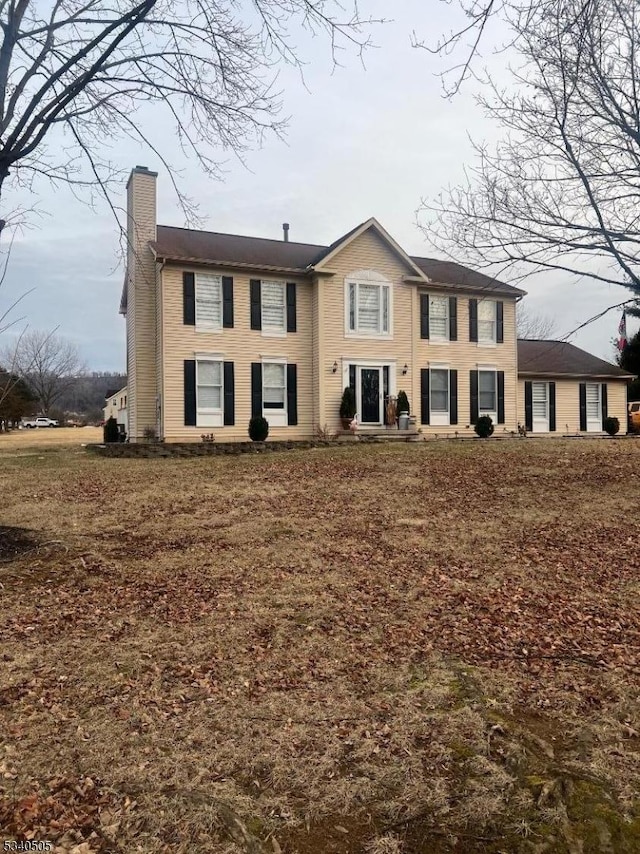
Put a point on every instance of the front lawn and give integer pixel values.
(382, 649)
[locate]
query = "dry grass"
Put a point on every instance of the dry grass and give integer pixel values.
(44, 438)
(366, 649)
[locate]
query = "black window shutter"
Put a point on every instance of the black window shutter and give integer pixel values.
(453, 397)
(583, 406)
(352, 377)
(256, 389)
(424, 316)
(190, 392)
(453, 320)
(552, 407)
(500, 322)
(291, 306)
(424, 396)
(227, 302)
(603, 398)
(500, 376)
(473, 397)
(189, 299)
(292, 395)
(473, 323)
(229, 395)
(256, 307)
(528, 406)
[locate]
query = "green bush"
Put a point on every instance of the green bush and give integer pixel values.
(348, 403)
(402, 403)
(110, 430)
(611, 425)
(258, 429)
(484, 426)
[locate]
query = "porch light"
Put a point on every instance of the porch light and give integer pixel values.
(334, 369)
(405, 369)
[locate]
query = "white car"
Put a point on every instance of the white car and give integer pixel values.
(40, 421)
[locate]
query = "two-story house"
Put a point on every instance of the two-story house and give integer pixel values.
(222, 327)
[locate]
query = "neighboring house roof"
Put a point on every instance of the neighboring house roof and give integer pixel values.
(209, 247)
(110, 393)
(559, 358)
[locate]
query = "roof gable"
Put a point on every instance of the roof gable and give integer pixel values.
(325, 258)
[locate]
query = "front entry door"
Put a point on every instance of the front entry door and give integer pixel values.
(370, 397)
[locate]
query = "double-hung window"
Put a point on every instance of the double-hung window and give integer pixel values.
(208, 292)
(439, 318)
(488, 394)
(593, 398)
(439, 396)
(274, 307)
(274, 386)
(209, 393)
(369, 308)
(487, 321)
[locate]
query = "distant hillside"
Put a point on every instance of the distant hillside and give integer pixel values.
(86, 395)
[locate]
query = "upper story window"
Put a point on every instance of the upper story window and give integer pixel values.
(439, 318)
(487, 321)
(208, 292)
(368, 304)
(274, 307)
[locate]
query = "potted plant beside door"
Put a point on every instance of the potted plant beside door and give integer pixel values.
(402, 408)
(347, 407)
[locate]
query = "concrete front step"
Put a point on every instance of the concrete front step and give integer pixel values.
(382, 435)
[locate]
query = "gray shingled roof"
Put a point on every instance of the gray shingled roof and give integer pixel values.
(183, 244)
(538, 358)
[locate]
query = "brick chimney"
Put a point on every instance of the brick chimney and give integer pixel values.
(141, 302)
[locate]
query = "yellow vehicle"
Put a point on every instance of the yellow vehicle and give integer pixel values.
(634, 416)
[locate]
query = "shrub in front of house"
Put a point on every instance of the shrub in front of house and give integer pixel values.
(611, 425)
(402, 403)
(484, 426)
(258, 429)
(110, 430)
(348, 403)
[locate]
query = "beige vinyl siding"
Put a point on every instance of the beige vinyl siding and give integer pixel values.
(141, 304)
(466, 356)
(317, 352)
(159, 350)
(568, 402)
(240, 345)
(366, 252)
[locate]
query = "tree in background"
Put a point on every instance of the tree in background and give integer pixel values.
(560, 191)
(74, 77)
(48, 363)
(16, 399)
(629, 359)
(534, 326)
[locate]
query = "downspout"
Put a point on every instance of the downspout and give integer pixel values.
(160, 265)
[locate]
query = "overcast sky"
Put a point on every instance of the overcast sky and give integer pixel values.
(362, 141)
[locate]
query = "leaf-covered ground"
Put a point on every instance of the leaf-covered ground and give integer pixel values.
(384, 649)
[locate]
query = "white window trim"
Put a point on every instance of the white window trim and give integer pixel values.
(446, 339)
(276, 417)
(367, 277)
(210, 417)
(494, 342)
(208, 327)
(536, 422)
(273, 333)
(488, 369)
(597, 428)
(439, 419)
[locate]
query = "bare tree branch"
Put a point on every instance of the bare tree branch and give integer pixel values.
(561, 191)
